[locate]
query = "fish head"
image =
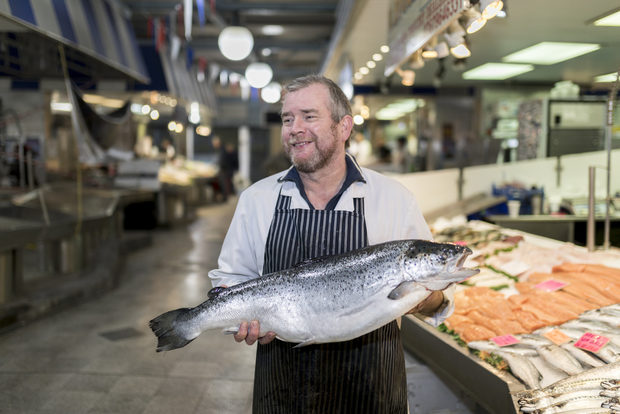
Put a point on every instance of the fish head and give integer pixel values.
(435, 265)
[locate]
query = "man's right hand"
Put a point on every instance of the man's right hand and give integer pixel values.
(249, 333)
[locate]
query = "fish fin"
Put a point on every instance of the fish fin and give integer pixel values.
(168, 337)
(402, 290)
(305, 343)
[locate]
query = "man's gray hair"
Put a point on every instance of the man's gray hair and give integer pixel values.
(339, 103)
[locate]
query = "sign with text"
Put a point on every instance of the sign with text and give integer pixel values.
(422, 20)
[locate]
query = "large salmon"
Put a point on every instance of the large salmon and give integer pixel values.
(330, 299)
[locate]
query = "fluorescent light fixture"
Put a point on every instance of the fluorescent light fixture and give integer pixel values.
(496, 71)
(612, 19)
(548, 53)
(610, 77)
(272, 30)
(61, 106)
(397, 109)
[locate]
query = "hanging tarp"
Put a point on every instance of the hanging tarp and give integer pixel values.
(99, 28)
(100, 137)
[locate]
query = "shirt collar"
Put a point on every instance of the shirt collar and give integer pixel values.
(354, 174)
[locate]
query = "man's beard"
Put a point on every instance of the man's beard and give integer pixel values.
(319, 159)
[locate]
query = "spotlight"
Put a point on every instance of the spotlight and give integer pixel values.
(474, 21)
(490, 8)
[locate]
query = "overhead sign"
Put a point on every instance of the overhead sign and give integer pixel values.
(422, 20)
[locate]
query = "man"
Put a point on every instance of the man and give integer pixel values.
(324, 205)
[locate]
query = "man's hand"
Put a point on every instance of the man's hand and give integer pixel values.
(429, 305)
(249, 334)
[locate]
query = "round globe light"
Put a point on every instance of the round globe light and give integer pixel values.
(235, 42)
(271, 93)
(258, 74)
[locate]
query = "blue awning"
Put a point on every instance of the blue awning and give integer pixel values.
(98, 28)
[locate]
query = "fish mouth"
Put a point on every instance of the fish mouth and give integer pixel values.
(457, 269)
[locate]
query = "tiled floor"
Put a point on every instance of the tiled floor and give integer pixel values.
(100, 357)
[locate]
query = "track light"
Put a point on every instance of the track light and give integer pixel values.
(455, 34)
(490, 8)
(460, 51)
(474, 21)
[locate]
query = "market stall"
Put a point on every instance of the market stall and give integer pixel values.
(539, 311)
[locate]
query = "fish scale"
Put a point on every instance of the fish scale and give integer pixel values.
(329, 299)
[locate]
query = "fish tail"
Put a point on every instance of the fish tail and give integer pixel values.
(164, 326)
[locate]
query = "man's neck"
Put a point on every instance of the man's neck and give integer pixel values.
(321, 186)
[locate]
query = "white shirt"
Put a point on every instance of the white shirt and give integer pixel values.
(391, 213)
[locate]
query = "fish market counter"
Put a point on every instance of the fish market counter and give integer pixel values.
(490, 387)
(528, 285)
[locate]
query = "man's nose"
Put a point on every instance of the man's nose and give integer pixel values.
(298, 126)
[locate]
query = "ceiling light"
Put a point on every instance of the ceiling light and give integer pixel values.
(203, 130)
(358, 76)
(429, 54)
(172, 126)
(490, 8)
(610, 77)
(384, 49)
(474, 21)
(154, 114)
(548, 53)
(271, 93)
(364, 70)
(416, 62)
(272, 30)
(442, 50)
(612, 19)
(455, 35)
(377, 57)
(358, 119)
(258, 74)
(266, 52)
(460, 51)
(408, 77)
(497, 71)
(371, 64)
(235, 42)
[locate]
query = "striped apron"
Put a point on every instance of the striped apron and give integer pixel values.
(364, 375)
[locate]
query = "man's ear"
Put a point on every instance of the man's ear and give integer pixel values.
(346, 126)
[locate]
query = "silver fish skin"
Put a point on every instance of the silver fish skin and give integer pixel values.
(559, 400)
(560, 358)
(330, 299)
(582, 356)
(592, 378)
(488, 346)
(549, 374)
(582, 403)
(522, 368)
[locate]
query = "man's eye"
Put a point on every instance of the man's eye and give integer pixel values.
(310, 117)
(286, 121)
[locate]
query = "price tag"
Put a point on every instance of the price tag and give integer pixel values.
(505, 340)
(557, 337)
(551, 285)
(460, 243)
(591, 342)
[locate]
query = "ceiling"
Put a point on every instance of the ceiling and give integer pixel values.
(300, 48)
(527, 22)
(304, 45)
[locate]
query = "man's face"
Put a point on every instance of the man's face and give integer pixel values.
(310, 138)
